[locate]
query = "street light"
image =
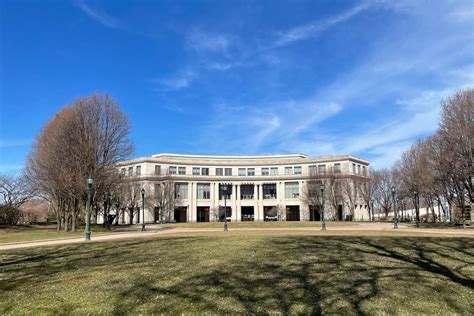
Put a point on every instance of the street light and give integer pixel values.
(323, 226)
(143, 209)
(90, 181)
(395, 222)
(224, 190)
(417, 209)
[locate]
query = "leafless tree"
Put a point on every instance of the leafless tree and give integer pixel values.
(14, 192)
(164, 197)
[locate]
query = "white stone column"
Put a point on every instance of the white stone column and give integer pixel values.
(260, 202)
(238, 204)
(233, 202)
(192, 205)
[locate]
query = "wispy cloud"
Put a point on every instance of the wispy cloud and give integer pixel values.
(208, 42)
(179, 81)
(97, 14)
(303, 32)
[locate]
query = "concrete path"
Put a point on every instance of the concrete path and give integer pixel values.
(159, 231)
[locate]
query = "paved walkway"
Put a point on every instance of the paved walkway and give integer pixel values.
(159, 231)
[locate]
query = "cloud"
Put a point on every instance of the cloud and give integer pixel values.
(206, 42)
(312, 29)
(177, 82)
(97, 14)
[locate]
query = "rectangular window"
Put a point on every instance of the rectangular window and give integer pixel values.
(196, 171)
(221, 192)
(172, 169)
(157, 170)
(353, 168)
(265, 172)
(204, 171)
(292, 190)
(312, 170)
(181, 191)
(274, 171)
(130, 171)
(364, 170)
(157, 191)
(219, 172)
(228, 171)
(358, 169)
(241, 171)
(322, 169)
(269, 191)
(298, 170)
(203, 191)
(138, 170)
(181, 170)
(122, 171)
(288, 170)
(250, 171)
(337, 167)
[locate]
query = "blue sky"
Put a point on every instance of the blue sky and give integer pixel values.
(238, 77)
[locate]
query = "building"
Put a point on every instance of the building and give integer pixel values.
(266, 187)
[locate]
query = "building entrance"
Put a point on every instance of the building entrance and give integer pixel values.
(202, 214)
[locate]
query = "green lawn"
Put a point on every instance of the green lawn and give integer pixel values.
(243, 273)
(12, 234)
(269, 224)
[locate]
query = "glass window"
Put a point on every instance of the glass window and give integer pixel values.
(221, 191)
(265, 172)
(337, 167)
(250, 171)
(138, 170)
(298, 170)
(288, 170)
(196, 171)
(172, 169)
(228, 171)
(219, 172)
(181, 191)
(269, 191)
(122, 171)
(292, 190)
(353, 168)
(204, 171)
(322, 169)
(203, 191)
(312, 170)
(274, 171)
(364, 170)
(130, 171)
(181, 170)
(241, 171)
(157, 190)
(358, 169)
(157, 169)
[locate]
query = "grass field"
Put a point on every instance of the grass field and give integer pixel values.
(243, 273)
(9, 234)
(269, 224)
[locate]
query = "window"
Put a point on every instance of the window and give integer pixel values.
(204, 171)
(292, 190)
(181, 170)
(138, 170)
(196, 171)
(274, 171)
(181, 191)
(353, 168)
(157, 170)
(122, 171)
(337, 167)
(269, 191)
(298, 170)
(203, 191)
(246, 191)
(265, 172)
(172, 169)
(221, 191)
(322, 169)
(251, 171)
(157, 190)
(364, 170)
(288, 170)
(241, 171)
(130, 171)
(219, 172)
(312, 170)
(228, 171)
(358, 169)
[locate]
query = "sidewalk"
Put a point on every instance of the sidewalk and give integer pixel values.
(158, 231)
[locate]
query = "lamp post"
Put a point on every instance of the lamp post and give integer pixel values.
(143, 209)
(417, 209)
(323, 226)
(395, 212)
(90, 181)
(224, 189)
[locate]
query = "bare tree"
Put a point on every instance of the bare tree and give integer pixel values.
(165, 194)
(14, 192)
